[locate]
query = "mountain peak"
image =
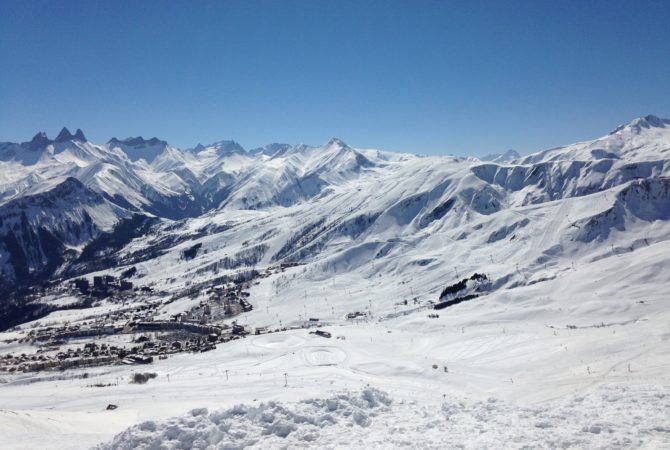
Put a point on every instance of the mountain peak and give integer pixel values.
(79, 135)
(646, 122)
(509, 155)
(39, 141)
(64, 135)
(137, 148)
(226, 146)
(649, 121)
(270, 149)
(138, 142)
(655, 120)
(336, 142)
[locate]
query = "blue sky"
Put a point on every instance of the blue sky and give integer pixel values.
(461, 77)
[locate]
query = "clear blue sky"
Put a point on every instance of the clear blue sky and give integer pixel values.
(463, 77)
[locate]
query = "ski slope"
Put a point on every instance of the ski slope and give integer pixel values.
(564, 346)
(516, 372)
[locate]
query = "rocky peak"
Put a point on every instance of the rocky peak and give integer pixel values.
(64, 135)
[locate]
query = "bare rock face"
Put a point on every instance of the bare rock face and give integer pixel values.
(64, 135)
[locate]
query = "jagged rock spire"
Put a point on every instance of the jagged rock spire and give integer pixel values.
(39, 141)
(79, 135)
(64, 135)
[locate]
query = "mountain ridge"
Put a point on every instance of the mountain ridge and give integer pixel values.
(362, 194)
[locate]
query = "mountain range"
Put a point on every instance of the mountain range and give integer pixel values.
(399, 299)
(62, 199)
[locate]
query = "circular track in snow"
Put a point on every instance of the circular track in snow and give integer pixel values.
(278, 341)
(323, 356)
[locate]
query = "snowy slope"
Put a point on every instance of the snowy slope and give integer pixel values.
(643, 139)
(139, 148)
(342, 206)
(45, 229)
(563, 344)
(574, 362)
(501, 158)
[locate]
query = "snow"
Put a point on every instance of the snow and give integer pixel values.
(511, 378)
(262, 426)
(607, 418)
(139, 148)
(502, 158)
(566, 345)
(643, 139)
(550, 382)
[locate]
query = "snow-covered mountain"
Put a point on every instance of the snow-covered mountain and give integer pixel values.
(139, 148)
(507, 157)
(151, 178)
(523, 296)
(333, 203)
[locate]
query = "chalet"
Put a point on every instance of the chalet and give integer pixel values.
(246, 306)
(91, 346)
(82, 285)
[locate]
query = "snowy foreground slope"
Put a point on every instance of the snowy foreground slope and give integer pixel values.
(564, 343)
